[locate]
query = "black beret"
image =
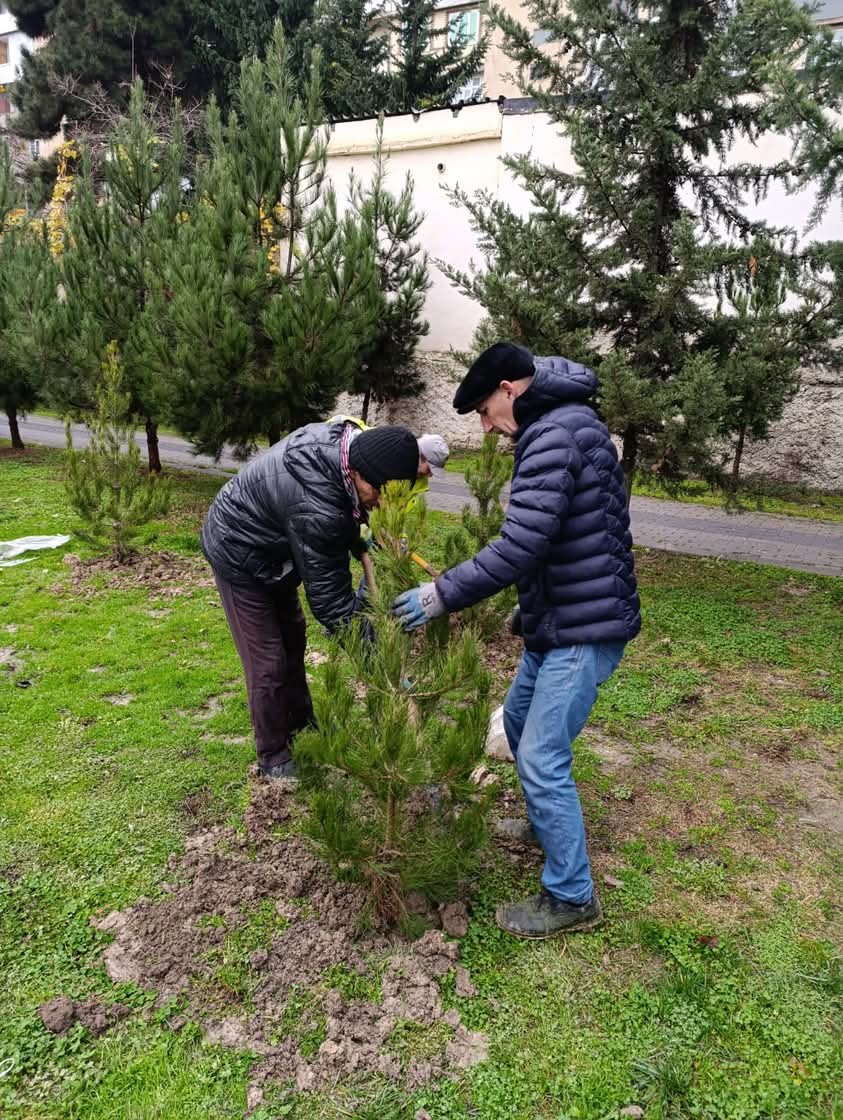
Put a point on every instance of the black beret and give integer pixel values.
(505, 361)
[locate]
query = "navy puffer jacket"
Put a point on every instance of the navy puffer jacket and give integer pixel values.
(565, 543)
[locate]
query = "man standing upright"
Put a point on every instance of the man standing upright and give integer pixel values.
(566, 545)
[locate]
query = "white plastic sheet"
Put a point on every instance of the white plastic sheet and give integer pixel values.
(10, 550)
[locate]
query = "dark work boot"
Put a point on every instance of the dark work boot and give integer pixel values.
(508, 828)
(282, 770)
(542, 915)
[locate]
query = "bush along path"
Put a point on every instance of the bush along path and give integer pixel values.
(172, 945)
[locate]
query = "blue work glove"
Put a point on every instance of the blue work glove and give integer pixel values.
(418, 606)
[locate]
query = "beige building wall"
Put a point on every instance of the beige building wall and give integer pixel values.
(497, 78)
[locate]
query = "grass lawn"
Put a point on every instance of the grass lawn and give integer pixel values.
(710, 777)
(755, 496)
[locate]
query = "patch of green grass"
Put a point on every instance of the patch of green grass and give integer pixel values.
(303, 1020)
(233, 971)
(755, 495)
(356, 985)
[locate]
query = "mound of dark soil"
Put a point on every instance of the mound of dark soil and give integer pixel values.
(174, 946)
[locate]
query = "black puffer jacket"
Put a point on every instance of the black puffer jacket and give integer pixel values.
(565, 542)
(287, 515)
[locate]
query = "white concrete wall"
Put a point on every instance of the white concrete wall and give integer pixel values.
(439, 149)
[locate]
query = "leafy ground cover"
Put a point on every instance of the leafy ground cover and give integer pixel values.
(755, 495)
(710, 779)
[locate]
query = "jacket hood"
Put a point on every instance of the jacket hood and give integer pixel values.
(557, 381)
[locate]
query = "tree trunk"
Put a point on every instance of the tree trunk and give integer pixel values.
(736, 463)
(629, 459)
(364, 414)
(14, 430)
(273, 434)
(152, 446)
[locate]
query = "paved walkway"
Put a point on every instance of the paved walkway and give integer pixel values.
(788, 542)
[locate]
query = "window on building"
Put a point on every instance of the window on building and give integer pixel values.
(4, 51)
(472, 90)
(464, 28)
(35, 148)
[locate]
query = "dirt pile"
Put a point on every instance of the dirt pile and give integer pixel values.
(166, 573)
(274, 996)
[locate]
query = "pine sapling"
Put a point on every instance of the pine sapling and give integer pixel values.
(485, 477)
(401, 728)
(105, 484)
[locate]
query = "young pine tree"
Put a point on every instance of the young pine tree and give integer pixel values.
(393, 801)
(385, 372)
(617, 263)
(27, 292)
(270, 295)
(28, 287)
(114, 243)
(485, 476)
(105, 485)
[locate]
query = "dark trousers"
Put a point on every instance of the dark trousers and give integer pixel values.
(269, 631)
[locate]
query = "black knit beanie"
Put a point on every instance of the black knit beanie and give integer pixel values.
(385, 454)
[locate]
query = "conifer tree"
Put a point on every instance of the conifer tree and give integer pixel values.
(485, 477)
(428, 66)
(619, 260)
(27, 293)
(100, 44)
(270, 294)
(385, 372)
(354, 77)
(762, 335)
(122, 216)
(393, 804)
(105, 485)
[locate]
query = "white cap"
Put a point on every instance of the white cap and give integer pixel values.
(435, 450)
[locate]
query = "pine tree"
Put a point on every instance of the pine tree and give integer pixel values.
(619, 261)
(100, 44)
(122, 216)
(385, 372)
(28, 287)
(271, 295)
(761, 336)
(355, 77)
(485, 477)
(105, 485)
(393, 802)
(232, 33)
(428, 66)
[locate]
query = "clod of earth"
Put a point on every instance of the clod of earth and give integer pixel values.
(174, 946)
(59, 1015)
(464, 986)
(454, 919)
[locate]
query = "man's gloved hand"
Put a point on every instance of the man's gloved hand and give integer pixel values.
(516, 626)
(418, 606)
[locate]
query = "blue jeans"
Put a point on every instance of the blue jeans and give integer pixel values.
(545, 710)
